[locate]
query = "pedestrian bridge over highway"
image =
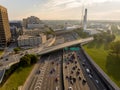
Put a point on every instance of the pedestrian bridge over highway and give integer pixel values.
(67, 44)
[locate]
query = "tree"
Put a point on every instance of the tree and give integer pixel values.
(16, 50)
(25, 61)
(34, 58)
(115, 48)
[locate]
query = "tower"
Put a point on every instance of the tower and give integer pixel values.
(85, 20)
(5, 34)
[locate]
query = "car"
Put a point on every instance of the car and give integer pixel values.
(78, 69)
(75, 62)
(96, 81)
(71, 82)
(70, 88)
(77, 73)
(51, 72)
(83, 64)
(52, 62)
(71, 72)
(79, 78)
(39, 71)
(73, 68)
(6, 59)
(84, 81)
(67, 77)
(90, 75)
(70, 77)
(65, 67)
(56, 79)
(87, 70)
(74, 79)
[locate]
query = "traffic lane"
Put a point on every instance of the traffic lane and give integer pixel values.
(51, 77)
(40, 77)
(100, 85)
(49, 81)
(77, 85)
(90, 82)
(93, 75)
(31, 85)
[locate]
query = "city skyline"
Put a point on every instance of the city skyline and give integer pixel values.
(62, 10)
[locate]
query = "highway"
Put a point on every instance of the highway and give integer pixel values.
(65, 70)
(72, 72)
(93, 78)
(48, 74)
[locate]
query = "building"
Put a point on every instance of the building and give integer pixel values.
(15, 32)
(85, 20)
(31, 38)
(17, 24)
(92, 31)
(31, 32)
(32, 23)
(26, 40)
(5, 34)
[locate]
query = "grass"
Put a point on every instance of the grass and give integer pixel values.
(110, 64)
(17, 78)
(1, 52)
(117, 37)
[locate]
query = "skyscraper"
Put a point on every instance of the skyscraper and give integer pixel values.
(85, 20)
(5, 34)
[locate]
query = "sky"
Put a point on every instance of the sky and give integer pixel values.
(62, 9)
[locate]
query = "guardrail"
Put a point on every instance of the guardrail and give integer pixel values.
(101, 73)
(1, 79)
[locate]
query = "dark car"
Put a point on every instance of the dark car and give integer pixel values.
(39, 71)
(56, 79)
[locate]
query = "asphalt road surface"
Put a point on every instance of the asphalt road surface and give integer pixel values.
(72, 72)
(92, 77)
(48, 75)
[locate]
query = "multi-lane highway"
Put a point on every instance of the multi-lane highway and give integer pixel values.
(59, 70)
(48, 74)
(72, 72)
(93, 78)
(65, 70)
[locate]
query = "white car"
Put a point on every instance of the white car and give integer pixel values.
(87, 70)
(70, 88)
(96, 81)
(90, 75)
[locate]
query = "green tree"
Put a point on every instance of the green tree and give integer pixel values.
(34, 59)
(16, 50)
(25, 61)
(115, 48)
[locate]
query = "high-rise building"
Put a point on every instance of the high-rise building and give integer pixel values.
(32, 23)
(85, 20)
(5, 34)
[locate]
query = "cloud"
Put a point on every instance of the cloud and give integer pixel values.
(62, 9)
